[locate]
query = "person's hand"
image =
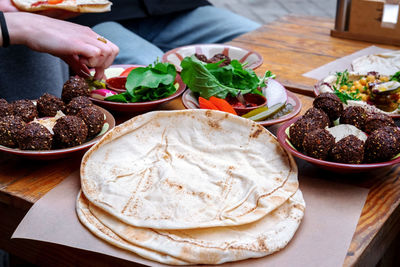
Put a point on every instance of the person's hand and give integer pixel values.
(7, 6)
(77, 45)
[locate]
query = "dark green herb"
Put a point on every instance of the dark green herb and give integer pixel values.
(148, 84)
(344, 96)
(342, 78)
(395, 77)
(208, 79)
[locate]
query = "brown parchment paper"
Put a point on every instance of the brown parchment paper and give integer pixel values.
(342, 63)
(331, 216)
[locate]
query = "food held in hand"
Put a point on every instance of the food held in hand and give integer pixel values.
(75, 86)
(330, 104)
(318, 143)
(82, 6)
(70, 131)
(25, 109)
(10, 130)
(375, 121)
(355, 116)
(382, 144)
(35, 136)
(348, 150)
(48, 105)
(77, 103)
(93, 118)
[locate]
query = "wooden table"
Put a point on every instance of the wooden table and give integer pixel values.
(290, 47)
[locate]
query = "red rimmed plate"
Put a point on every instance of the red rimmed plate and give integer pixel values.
(175, 56)
(64, 152)
(328, 165)
(139, 106)
(190, 101)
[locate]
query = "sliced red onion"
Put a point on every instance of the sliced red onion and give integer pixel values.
(102, 93)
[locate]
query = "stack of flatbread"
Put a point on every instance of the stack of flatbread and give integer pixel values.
(385, 63)
(191, 187)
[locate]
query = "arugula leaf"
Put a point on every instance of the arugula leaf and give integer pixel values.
(343, 79)
(395, 77)
(118, 98)
(200, 80)
(344, 96)
(211, 80)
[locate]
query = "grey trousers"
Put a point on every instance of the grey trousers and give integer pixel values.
(25, 74)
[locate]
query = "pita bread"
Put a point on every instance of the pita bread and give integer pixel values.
(188, 169)
(199, 246)
(385, 63)
(81, 6)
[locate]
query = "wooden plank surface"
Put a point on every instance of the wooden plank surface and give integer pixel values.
(295, 45)
(22, 182)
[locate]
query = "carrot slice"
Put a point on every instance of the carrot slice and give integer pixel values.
(205, 104)
(222, 105)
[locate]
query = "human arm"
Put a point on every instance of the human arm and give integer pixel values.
(77, 45)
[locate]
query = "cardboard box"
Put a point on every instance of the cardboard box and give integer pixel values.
(367, 21)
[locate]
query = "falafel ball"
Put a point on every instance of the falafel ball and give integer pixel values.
(382, 144)
(77, 103)
(93, 118)
(201, 57)
(25, 109)
(348, 150)
(301, 128)
(70, 131)
(48, 105)
(376, 121)
(75, 86)
(218, 57)
(10, 130)
(355, 116)
(330, 104)
(318, 114)
(318, 143)
(5, 108)
(35, 137)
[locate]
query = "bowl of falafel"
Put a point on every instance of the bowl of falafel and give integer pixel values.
(52, 127)
(342, 139)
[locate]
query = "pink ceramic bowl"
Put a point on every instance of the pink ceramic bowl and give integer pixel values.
(328, 165)
(140, 106)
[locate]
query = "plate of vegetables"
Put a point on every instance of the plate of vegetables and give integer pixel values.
(213, 52)
(372, 91)
(238, 90)
(145, 87)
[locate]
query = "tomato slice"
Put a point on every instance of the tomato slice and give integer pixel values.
(53, 2)
(127, 71)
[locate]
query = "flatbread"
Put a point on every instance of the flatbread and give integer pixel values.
(385, 63)
(104, 233)
(199, 246)
(188, 169)
(81, 6)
